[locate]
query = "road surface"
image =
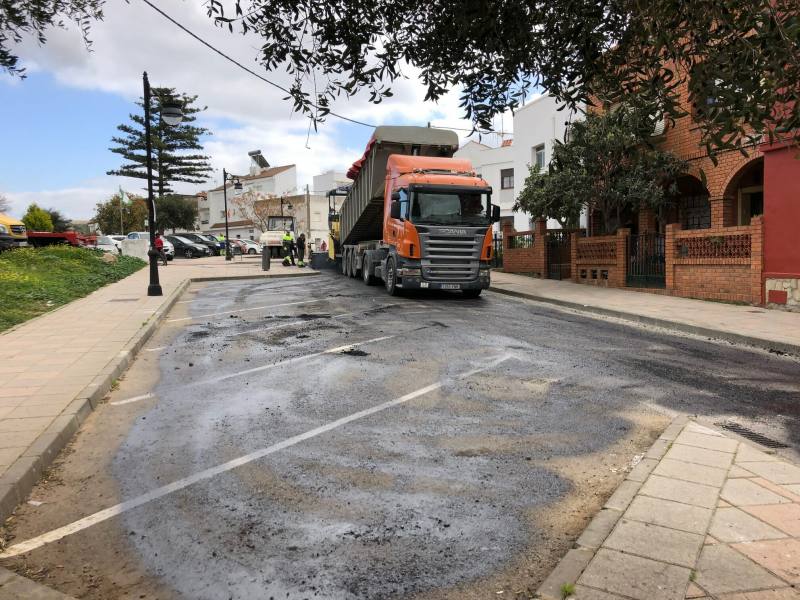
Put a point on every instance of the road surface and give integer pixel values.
(315, 438)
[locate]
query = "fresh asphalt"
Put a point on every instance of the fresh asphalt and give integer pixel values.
(354, 445)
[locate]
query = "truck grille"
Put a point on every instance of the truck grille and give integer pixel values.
(17, 229)
(450, 256)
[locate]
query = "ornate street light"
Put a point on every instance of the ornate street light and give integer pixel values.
(174, 116)
(237, 187)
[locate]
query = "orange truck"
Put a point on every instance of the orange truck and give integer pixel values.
(415, 217)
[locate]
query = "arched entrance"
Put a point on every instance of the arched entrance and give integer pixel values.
(744, 194)
(690, 206)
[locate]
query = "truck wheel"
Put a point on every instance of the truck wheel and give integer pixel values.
(390, 278)
(367, 267)
(354, 270)
(471, 293)
(346, 262)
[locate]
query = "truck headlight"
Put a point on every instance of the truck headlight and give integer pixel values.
(3, 229)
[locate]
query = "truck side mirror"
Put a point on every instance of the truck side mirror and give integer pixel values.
(394, 209)
(495, 213)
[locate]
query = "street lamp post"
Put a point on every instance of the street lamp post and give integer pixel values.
(172, 114)
(237, 186)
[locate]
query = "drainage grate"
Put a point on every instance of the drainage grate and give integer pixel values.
(751, 435)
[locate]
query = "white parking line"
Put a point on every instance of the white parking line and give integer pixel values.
(118, 509)
(154, 349)
(238, 310)
(288, 361)
(132, 399)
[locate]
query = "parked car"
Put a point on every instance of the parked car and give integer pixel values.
(212, 238)
(13, 232)
(188, 248)
(199, 238)
(253, 247)
(108, 244)
(169, 248)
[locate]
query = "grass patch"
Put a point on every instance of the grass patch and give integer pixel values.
(36, 280)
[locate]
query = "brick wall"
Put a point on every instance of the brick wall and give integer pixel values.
(600, 260)
(531, 260)
(722, 263)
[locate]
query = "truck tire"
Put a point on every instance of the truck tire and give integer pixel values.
(367, 268)
(471, 293)
(354, 270)
(390, 278)
(345, 259)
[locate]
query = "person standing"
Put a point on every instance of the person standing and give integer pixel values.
(301, 249)
(160, 248)
(288, 248)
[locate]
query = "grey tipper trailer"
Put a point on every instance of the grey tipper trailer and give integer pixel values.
(361, 214)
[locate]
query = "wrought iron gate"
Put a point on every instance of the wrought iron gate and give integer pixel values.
(558, 254)
(497, 251)
(647, 260)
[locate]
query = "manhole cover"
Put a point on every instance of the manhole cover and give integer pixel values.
(751, 435)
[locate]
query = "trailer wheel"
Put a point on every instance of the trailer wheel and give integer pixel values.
(390, 278)
(354, 270)
(345, 259)
(367, 269)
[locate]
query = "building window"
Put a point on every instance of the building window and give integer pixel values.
(538, 157)
(506, 179)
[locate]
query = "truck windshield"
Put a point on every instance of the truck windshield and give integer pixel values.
(280, 224)
(450, 208)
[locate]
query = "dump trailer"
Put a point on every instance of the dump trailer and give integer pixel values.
(415, 217)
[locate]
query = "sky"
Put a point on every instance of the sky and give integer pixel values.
(56, 125)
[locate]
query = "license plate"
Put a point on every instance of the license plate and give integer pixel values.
(451, 286)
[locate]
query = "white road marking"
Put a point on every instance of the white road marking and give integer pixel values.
(118, 509)
(238, 310)
(280, 363)
(155, 349)
(132, 399)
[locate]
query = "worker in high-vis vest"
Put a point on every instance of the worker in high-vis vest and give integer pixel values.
(288, 249)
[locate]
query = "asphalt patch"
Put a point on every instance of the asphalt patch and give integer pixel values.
(354, 352)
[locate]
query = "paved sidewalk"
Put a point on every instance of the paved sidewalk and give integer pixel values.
(702, 516)
(56, 367)
(766, 328)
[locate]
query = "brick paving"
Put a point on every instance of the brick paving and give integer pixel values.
(51, 365)
(767, 328)
(711, 518)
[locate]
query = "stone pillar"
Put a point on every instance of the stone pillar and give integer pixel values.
(647, 220)
(620, 276)
(670, 255)
(508, 231)
(757, 259)
(540, 246)
(573, 255)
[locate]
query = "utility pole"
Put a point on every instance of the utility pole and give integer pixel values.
(308, 216)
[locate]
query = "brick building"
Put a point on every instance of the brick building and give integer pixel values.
(732, 238)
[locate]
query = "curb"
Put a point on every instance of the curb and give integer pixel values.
(575, 561)
(13, 587)
(781, 347)
(20, 478)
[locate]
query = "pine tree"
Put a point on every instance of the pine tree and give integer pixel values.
(175, 156)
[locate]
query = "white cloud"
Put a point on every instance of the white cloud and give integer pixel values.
(76, 202)
(133, 38)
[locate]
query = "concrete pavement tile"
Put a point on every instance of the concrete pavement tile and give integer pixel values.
(734, 525)
(723, 504)
(14, 392)
(36, 410)
(785, 517)
(697, 428)
(586, 593)
(695, 591)
(722, 569)
(598, 529)
(693, 519)
(782, 490)
(690, 472)
(680, 491)
(781, 594)
(11, 402)
(658, 449)
(635, 577)
(692, 454)
(737, 472)
(653, 541)
(782, 557)
(743, 492)
(25, 424)
(642, 471)
(13, 439)
(776, 471)
(567, 570)
(747, 453)
(709, 442)
(795, 489)
(9, 455)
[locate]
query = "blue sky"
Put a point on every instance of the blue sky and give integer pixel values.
(56, 125)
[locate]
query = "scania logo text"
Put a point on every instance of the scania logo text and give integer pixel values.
(451, 231)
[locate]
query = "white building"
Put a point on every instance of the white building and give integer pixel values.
(496, 166)
(537, 126)
(329, 180)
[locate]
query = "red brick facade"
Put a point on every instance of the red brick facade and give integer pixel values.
(531, 260)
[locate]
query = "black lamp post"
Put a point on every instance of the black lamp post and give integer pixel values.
(172, 114)
(288, 205)
(237, 187)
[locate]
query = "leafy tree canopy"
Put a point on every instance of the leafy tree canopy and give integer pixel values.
(176, 149)
(60, 222)
(5, 204)
(608, 165)
(176, 212)
(37, 219)
(33, 17)
(739, 58)
(113, 219)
